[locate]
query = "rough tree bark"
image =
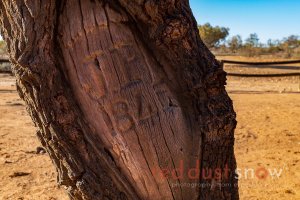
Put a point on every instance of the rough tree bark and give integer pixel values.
(126, 97)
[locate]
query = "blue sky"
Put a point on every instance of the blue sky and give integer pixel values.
(270, 19)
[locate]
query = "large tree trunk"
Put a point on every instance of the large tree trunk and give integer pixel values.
(127, 99)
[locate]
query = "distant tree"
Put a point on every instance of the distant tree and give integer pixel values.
(235, 43)
(273, 43)
(2, 47)
(252, 40)
(273, 46)
(213, 36)
(291, 42)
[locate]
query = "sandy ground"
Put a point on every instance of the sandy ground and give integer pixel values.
(267, 138)
(24, 174)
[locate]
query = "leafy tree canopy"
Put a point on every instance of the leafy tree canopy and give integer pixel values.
(213, 36)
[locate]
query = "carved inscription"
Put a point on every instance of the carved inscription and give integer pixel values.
(145, 109)
(113, 71)
(141, 108)
(95, 84)
(123, 119)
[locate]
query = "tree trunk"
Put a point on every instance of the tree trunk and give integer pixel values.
(128, 101)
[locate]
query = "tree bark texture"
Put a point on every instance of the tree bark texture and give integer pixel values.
(126, 97)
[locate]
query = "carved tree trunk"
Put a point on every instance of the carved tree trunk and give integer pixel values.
(128, 100)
